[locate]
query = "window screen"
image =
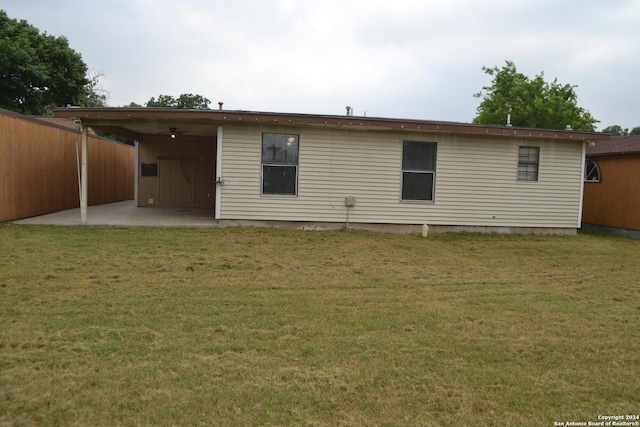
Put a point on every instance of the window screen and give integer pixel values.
(418, 170)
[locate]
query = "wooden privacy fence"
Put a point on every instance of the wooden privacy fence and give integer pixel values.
(39, 167)
(615, 200)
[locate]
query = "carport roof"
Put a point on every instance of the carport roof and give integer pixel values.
(135, 121)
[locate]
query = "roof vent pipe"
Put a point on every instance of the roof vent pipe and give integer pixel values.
(349, 111)
(220, 105)
(509, 120)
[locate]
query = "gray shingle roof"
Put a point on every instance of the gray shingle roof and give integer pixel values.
(615, 145)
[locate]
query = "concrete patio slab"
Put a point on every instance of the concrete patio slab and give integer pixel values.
(127, 214)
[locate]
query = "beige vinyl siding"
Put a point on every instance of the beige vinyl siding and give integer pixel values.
(476, 180)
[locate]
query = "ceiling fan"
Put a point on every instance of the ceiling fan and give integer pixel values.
(173, 132)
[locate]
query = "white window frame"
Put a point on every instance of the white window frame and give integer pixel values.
(524, 174)
(588, 171)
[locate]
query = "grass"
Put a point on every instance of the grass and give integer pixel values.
(140, 326)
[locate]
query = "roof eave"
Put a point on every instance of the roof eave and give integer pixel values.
(102, 115)
(614, 153)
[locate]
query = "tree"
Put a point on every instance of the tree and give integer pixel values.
(96, 95)
(38, 71)
(616, 130)
(532, 103)
(165, 101)
(186, 101)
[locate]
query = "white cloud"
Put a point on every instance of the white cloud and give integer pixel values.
(406, 58)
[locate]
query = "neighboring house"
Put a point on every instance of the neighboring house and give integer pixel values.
(323, 171)
(612, 186)
(39, 167)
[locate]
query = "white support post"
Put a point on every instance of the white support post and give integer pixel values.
(218, 201)
(584, 159)
(137, 172)
(85, 183)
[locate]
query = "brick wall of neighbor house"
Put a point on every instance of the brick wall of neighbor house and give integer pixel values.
(476, 180)
(615, 200)
(38, 168)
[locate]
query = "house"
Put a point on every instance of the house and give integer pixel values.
(39, 167)
(612, 186)
(332, 171)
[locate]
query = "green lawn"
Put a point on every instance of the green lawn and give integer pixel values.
(141, 326)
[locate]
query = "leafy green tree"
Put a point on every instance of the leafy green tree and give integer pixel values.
(635, 131)
(38, 71)
(165, 101)
(532, 103)
(186, 101)
(616, 130)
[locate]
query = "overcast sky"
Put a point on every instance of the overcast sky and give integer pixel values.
(417, 59)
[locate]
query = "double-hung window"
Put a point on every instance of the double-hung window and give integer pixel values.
(528, 163)
(280, 164)
(418, 170)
